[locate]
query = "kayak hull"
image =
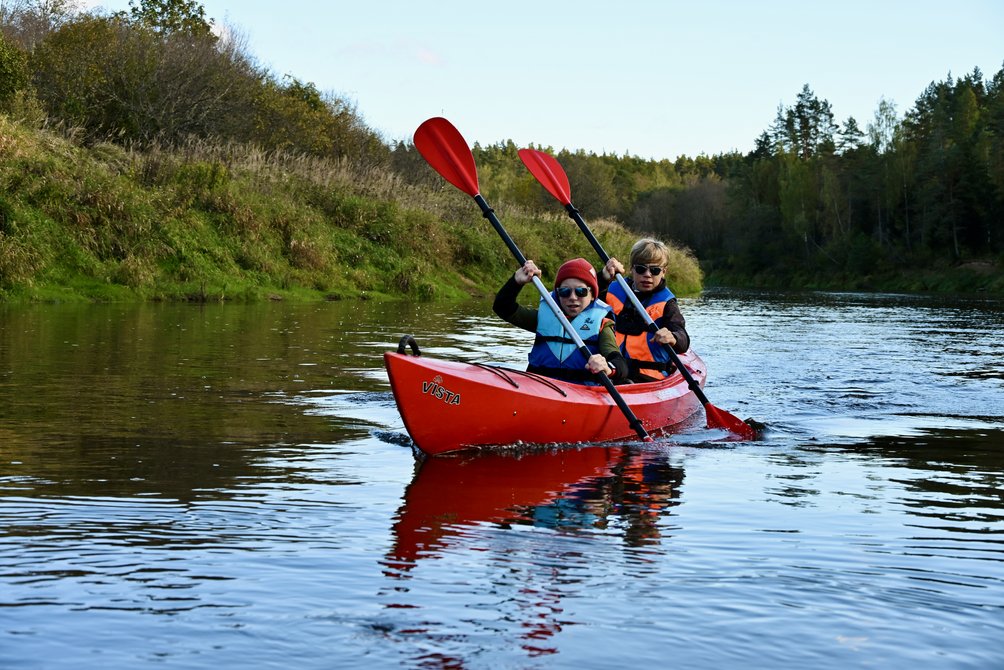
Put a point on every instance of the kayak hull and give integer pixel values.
(449, 405)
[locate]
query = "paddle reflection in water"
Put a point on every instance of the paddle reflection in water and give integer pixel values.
(616, 490)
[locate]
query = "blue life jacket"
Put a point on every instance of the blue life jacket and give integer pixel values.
(555, 354)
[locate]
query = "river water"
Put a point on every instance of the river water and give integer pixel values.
(204, 486)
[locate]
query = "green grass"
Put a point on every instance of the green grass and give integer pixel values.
(208, 223)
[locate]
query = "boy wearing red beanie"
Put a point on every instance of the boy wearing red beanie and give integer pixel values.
(554, 353)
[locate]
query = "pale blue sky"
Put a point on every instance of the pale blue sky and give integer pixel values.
(650, 78)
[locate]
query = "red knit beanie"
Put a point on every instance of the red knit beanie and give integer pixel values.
(580, 269)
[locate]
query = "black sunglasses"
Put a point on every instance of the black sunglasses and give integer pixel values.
(655, 270)
(580, 291)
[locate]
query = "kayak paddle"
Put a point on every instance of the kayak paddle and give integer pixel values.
(550, 174)
(445, 149)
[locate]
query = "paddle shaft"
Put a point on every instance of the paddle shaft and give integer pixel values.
(652, 327)
(489, 214)
(445, 149)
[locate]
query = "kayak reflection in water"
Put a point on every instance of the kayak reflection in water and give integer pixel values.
(458, 506)
(634, 495)
(601, 488)
(554, 353)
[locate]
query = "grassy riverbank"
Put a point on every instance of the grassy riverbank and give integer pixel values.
(212, 222)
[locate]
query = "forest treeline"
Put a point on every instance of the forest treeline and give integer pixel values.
(885, 202)
(816, 202)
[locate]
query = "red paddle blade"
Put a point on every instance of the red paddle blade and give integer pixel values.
(445, 149)
(719, 418)
(548, 172)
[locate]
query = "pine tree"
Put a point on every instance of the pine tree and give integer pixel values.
(850, 137)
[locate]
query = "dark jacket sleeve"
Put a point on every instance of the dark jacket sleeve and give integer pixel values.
(509, 310)
(672, 318)
(603, 284)
(615, 359)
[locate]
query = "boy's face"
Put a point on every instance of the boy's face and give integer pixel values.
(646, 276)
(578, 298)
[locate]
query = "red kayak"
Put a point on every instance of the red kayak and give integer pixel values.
(449, 405)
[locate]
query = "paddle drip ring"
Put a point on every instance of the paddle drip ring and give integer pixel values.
(410, 341)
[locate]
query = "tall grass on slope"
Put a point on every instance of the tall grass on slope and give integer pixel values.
(206, 221)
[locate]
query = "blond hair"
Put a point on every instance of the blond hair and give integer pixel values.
(649, 251)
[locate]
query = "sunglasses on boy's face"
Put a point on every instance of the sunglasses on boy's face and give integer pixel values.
(654, 270)
(566, 291)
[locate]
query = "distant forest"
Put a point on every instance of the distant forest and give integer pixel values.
(845, 200)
